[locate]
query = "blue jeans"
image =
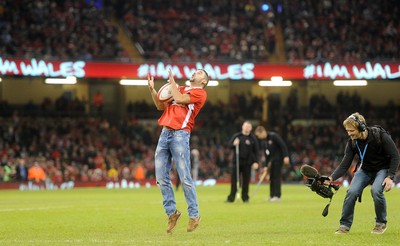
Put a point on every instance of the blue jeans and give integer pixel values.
(175, 145)
(361, 180)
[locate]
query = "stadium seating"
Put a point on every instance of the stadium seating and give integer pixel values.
(340, 31)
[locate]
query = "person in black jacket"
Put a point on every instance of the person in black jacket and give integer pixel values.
(276, 152)
(378, 160)
(21, 170)
(248, 158)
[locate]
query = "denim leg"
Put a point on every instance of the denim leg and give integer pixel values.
(379, 197)
(180, 150)
(163, 168)
(360, 180)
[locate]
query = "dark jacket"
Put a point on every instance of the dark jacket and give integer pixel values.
(274, 148)
(377, 156)
(248, 148)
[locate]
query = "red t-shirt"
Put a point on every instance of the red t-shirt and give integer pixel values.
(181, 116)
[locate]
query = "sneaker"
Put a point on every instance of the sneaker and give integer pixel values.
(193, 223)
(172, 219)
(342, 230)
(379, 229)
(228, 201)
(274, 199)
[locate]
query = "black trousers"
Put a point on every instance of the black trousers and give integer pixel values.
(244, 173)
(275, 175)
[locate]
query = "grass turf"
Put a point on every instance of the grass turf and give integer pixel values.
(99, 216)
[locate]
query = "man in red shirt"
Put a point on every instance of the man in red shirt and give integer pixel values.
(178, 121)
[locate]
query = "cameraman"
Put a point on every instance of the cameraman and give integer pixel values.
(377, 165)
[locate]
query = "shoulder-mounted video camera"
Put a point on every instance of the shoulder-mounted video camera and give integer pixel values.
(316, 183)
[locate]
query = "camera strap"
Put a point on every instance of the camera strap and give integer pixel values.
(326, 209)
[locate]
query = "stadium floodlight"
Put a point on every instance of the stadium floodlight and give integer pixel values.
(275, 81)
(350, 83)
(210, 83)
(133, 82)
(265, 7)
(70, 80)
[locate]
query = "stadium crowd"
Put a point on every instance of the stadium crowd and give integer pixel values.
(184, 30)
(71, 145)
(87, 148)
(57, 30)
(341, 31)
(202, 30)
(178, 31)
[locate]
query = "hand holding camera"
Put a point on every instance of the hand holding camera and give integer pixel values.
(322, 185)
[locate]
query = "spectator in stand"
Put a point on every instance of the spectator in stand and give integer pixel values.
(195, 155)
(8, 172)
(21, 170)
(139, 172)
(98, 102)
(112, 173)
(84, 173)
(36, 174)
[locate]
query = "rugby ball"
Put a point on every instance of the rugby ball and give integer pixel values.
(165, 93)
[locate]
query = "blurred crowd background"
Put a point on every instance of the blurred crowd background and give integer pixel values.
(72, 144)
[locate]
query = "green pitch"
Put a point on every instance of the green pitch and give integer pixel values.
(99, 216)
